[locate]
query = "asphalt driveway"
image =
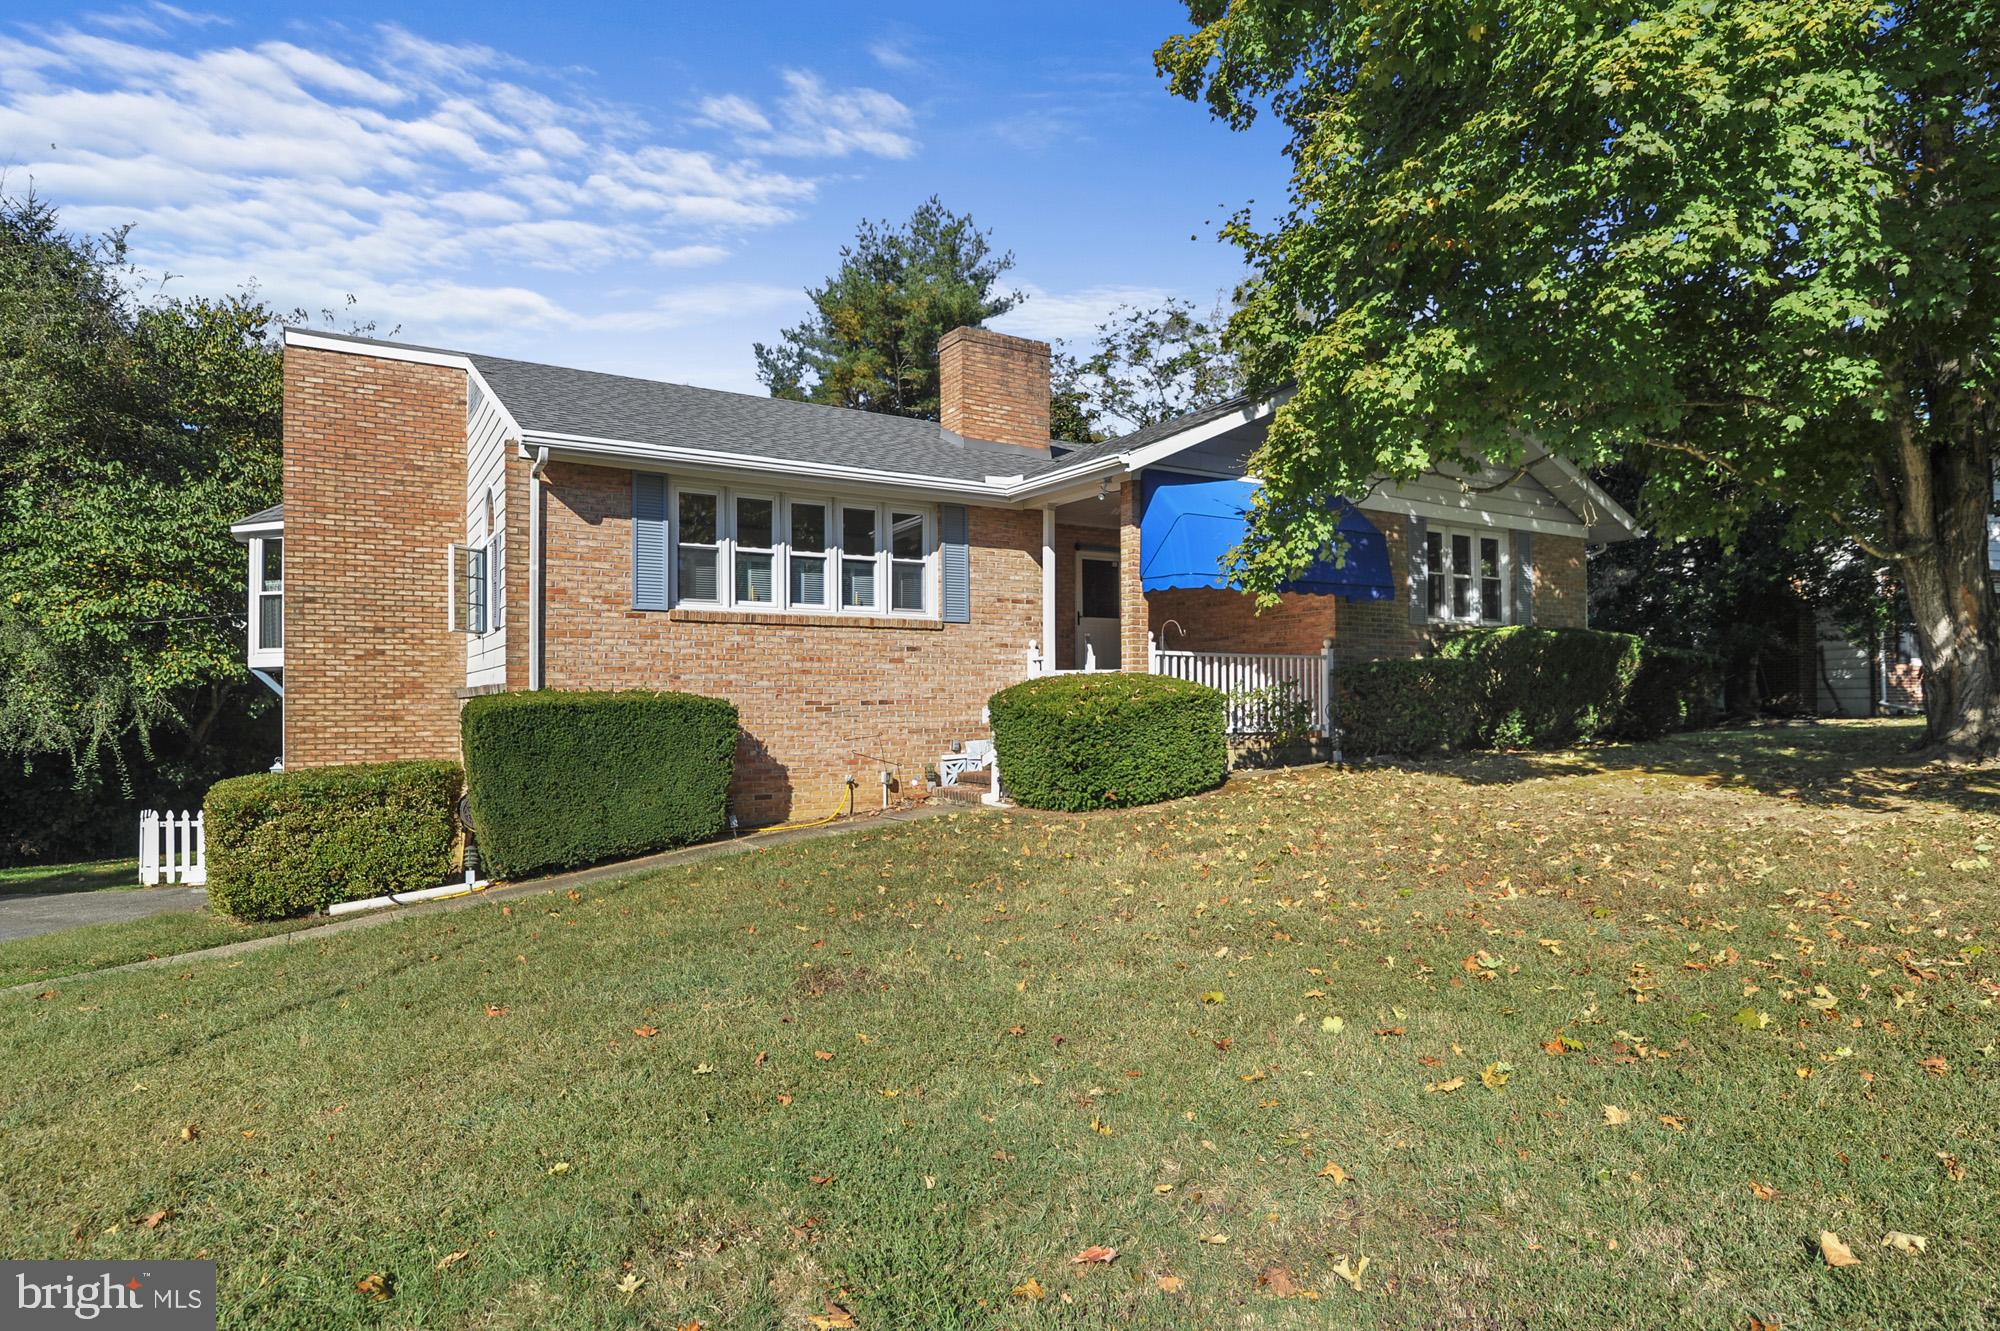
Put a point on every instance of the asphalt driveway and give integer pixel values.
(26, 915)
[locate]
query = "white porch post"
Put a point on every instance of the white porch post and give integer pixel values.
(1152, 652)
(1049, 583)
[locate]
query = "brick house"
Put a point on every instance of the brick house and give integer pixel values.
(859, 585)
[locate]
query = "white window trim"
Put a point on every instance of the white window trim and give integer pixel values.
(836, 506)
(259, 655)
(829, 574)
(1439, 610)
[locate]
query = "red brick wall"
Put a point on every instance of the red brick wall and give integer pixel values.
(374, 492)
(1562, 583)
(812, 693)
(995, 387)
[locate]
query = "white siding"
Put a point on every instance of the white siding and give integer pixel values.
(1845, 681)
(485, 462)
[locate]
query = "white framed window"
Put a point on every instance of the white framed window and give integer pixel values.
(496, 558)
(806, 554)
(1465, 575)
(759, 550)
(467, 586)
(698, 547)
(860, 558)
(754, 549)
(267, 600)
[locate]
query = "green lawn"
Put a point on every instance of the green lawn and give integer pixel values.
(90, 876)
(915, 1070)
(49, 957)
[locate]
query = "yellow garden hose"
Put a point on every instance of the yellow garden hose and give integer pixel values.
(817, 822)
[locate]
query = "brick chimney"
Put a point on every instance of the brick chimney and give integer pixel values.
(991, 386)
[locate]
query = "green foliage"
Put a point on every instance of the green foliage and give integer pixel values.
(561, 779)
(1149, 365)
(1749, 246)
(1523, 688)
(1096, 741)
(1545, 688)
(289, 843)
(1404, 708)
(871, 340)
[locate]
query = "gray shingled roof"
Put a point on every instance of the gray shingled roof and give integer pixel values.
(263, 516)
(553, 399)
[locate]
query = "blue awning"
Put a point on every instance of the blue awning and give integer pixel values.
(1190, 524)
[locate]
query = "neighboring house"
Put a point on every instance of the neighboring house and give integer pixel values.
(858, 584)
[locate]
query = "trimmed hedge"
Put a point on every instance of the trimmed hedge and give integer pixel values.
(291, 843)
(1097, 741)
(1404, 708)
(1521, 687)
(563, 779)
(1546, 688)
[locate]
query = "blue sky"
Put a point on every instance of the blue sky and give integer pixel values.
(645, 188)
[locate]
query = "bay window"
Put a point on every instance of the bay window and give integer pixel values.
(1465, 576)
(806, 553)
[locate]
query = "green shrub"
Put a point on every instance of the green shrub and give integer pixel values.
(562, 779)
(1545, 688)
(1108, 740)
(1675, 690)
(1403, 708)
(290, 843)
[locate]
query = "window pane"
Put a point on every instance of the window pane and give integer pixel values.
(808, 579)
(270, 622)
(857, 531)
(809, 528)
(857, 583)
(697, 575)
(906, 586)
(1489, 557)
(1100, 589)
(1490, 600)
(698, 520)
(754, 522)
(1461, 576)
(1434, 571)
(753, 578)
(906, 535)
(274, 564)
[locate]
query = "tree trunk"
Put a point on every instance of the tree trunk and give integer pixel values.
(1941, 510)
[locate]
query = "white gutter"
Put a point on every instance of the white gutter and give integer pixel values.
(535, 470)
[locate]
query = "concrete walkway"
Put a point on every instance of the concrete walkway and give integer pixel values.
(47, 912)
(506, 892)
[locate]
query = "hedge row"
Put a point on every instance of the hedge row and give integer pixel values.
(1522, 687)
(291, 843)
(1098, 741)
(562, 779)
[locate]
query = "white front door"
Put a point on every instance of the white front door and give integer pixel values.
(1096, 610)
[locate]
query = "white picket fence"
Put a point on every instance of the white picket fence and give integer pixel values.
(1260, 685)
(172, 848)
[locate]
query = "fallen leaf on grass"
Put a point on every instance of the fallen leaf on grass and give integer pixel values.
(1163, 1187)
(629, 1283)
(559, 1167)
(1030, 1289)
(495, 1010)
(1169, 1284)
(1674, 1121)
(1215, 1238)
(374, 1285)
(1907, 1244)
(1332, 1025)
(645, 1032)
(1953, 1170)
(1334, 1172)
(1444, 1087)
(155, 1220)
(1835, 1252)
(835, 1318)
(1278, 1281)
(1351, 1272)
(1936, 1066)
(1614, 1117)
(1763, 1192)
(1212, 996)
(1750, 1019)
(451, 1259)
(190, 1133)
(1494, 1076)
(1095, 1253)
(823, 1055)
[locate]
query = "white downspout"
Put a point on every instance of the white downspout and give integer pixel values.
(535, 664)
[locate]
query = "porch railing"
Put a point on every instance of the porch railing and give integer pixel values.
(1262, 687)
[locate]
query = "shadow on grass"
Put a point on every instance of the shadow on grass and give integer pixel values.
(95, 876)
(1867, 766)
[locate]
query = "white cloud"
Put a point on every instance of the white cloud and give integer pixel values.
(893, 53)
(813, 120)
(1071, 314)
(445, 185)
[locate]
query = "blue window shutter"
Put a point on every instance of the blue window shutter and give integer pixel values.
(957, 564)
(1419, 586)
(1524, 577)
(649, 541)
